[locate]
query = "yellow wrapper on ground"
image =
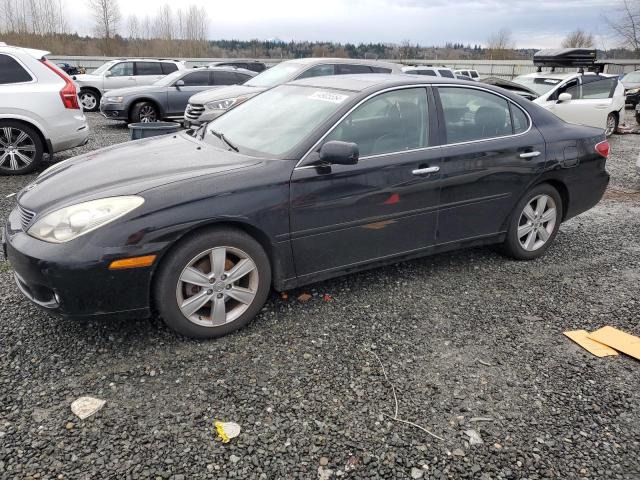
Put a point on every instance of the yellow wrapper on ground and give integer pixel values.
(621, 341)
(581, 337)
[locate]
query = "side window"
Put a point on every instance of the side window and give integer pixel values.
(148, 68)
(122, 69)
(318, 71)
(474, 74)
(11, 71)
(168, 67)
(224, 78)
(390, 122)
(571, 87)
(430, 73)
(380, 70)
(241, 77)
(345, 69)
(196, 79)
(519, 119)
(600, 88)
(446, 73)
(471, 114)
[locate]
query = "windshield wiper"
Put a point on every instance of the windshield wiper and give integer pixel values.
(221, 136)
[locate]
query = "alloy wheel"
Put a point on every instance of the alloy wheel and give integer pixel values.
(148, 114)
(537, 222)
(88, 100)
(17, 148)
(611, 125)
(217, 286)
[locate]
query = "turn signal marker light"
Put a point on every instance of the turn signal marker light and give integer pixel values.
(133, 262)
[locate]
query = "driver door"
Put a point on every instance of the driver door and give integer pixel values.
(385, 205)
(121, 75)
(178, 97)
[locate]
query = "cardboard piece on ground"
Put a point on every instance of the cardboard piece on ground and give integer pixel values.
(596, 348)
(621, 341)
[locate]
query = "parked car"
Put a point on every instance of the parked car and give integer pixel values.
(206, 106)
(310, 180)
(517, 88)
(590, 99)
(638, 113)
(430, 71)
(472, 74)
(122, 73)
(39, 110)
(68, 69)
(253, 65)
(631, 84)
(167, 98)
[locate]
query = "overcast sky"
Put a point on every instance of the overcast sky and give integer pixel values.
(534, 23)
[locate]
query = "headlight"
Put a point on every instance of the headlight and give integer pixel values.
(633, 90)
(114, 99)
(70, 222)
(225, 104)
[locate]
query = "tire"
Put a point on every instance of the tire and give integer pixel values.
(191, 260)
(21, 148)
(523, 243)
(89, 100)
(143, 112)
(612, 124)
(638, 118)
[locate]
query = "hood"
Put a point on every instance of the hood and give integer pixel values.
(232, 91)
(508, 85)
(126, 169)
(629, 85)
(123, 92)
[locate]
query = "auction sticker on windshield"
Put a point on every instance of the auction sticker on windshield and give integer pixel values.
(328, 97)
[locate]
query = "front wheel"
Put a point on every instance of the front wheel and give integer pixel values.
(144, 112)
(212, 283)
(612, 124)
(535, 223)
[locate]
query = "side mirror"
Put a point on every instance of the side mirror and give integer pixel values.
(107, 73)
(179, 83)
(564, 97)
(340, 153)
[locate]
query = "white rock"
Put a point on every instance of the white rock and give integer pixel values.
(84, 407)
(474, 437)
(417, 473)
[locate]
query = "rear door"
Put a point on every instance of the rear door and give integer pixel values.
(384, 205)
(490, 155)
(178, 97)
(148, 72)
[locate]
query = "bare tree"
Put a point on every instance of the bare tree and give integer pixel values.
(106, 14)
(133, 27)
(500, 45)
(626, 24)
(578, 39)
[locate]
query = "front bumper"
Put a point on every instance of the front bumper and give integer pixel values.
(73, 279)
(195, 118)
(114, 111)
(632, 98)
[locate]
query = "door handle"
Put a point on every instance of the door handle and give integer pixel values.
(425, 171)
(529, 154)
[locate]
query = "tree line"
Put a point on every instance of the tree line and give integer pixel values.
(184, 32)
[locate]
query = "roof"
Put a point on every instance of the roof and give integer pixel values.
(558, 75)
(323, 60)
(37, 54)
(227, 68)
(361, 82)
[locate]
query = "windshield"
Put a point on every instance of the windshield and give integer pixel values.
(633, 77)
(540, 85)
(169, 79)
(102, 68)
(273, 123)
(277, 75)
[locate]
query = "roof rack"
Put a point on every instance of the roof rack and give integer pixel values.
(580, 58)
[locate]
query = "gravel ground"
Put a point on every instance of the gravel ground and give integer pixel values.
(461, 336)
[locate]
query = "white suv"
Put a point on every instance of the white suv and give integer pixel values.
(429, 70)
(122, 73)
(39, 110)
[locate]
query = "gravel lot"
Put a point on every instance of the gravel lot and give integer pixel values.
(463, 335)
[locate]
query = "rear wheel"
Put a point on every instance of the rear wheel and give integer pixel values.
(21, 148)
(90, 100)
(144, 112)
(213, 283)
(612, 124)
(535, 223)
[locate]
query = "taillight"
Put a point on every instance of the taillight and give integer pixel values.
(603, 148)
(68, 94)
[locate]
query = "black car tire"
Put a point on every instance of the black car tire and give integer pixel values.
(93, 96)
(512, 246)
(168, 280)
(637, 117)
(32, 146)
(144, 112)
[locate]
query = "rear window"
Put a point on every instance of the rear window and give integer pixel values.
(474, 74)
(446, 73)
(380, 70)
(148, 68)
(241, 77)
(11, 71)
(349, 69)
(168, 67)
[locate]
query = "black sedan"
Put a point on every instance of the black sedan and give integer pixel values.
(310, 180)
